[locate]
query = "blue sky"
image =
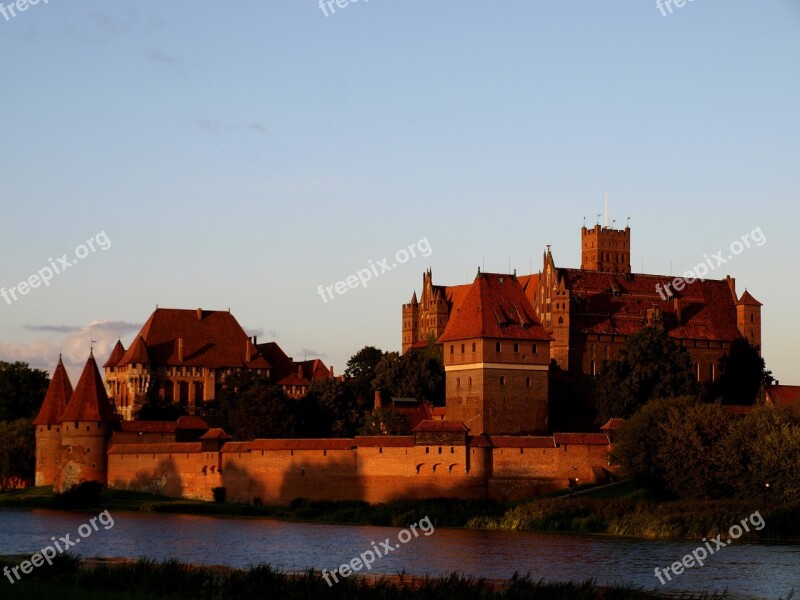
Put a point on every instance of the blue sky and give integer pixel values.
(242, 154)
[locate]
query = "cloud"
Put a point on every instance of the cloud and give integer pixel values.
(74, 346)
(53, 328)
(213, 127)
(156, 55)
(309, 353)
(108, 24)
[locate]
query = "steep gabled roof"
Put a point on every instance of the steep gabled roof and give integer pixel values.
(617, 303)
(116, 355)
(280, 363)
(210, 338)
(495, 307)
(56, 399)
(90, 401)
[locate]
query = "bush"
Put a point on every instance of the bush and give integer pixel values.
(84, 495)
(220, 494)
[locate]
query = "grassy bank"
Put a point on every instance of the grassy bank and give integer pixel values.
(146, 580)
(621, 510)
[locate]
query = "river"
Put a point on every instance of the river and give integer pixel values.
(745, 570)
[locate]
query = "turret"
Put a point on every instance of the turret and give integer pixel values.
(748, 318)
(86, 427)
(48, 426)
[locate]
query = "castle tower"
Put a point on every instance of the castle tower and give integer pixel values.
(605, 249)
(410, 322)
(496, 357)
(86, 427)
(748, 319)
(48, 426)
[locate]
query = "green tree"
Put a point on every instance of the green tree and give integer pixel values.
(386, 421)
(761, 454)
(418, 373)
(689, 452)
(22, 390)
(341, 413)
(742, 373)
(250, 406)
(650, 365)
(17, 454)
(360, 372)
(157, 409)
(640, 439)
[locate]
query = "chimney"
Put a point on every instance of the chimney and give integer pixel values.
(332, 375)
(248, 354)
(255, 340)
(378, 401)
(677, 304)
(199, 314)
(300, 371)
(180, 349)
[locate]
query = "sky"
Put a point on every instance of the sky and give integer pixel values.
(241, 155)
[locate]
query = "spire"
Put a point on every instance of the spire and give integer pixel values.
(748, 300)
(137, 353)
(414, 298)
(116, 355)
(57, 397)
(89, 400)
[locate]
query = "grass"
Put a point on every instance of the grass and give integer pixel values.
(147, 579)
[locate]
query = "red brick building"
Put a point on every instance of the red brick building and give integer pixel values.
(590, 312)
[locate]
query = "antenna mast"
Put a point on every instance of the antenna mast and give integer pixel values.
(606, 210)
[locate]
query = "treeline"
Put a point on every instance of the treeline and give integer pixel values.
(22, 390)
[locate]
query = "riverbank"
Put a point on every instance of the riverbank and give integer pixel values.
(618, 510)
(69, 579)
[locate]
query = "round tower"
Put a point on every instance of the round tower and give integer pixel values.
(48, 426)
(86, 427)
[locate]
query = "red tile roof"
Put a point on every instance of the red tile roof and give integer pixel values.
(748, 300)
(530, 284)
(495, 307)
(157, 448)
(90, 401)
(384, 441)
(191, 422)
(148, 426)
(612, 424)
(480, 441)
(303, 444)
(281, 365)
(56, 399)
(438, 426)
(211, 338)
(415, 412)
(617, 303)
(215, 433)
(784, 395)
(517, 441)
(116, 355)
(581, 439)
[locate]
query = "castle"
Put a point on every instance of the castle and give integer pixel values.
(590, 312)
(498, 336)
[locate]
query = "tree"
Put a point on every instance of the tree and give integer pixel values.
(419, 373)
(360, 372)
(759, 458)
(650, 365)
(742, 373)
(158, 409)
(689, 450)
(17, 454)
(250, 407)
(639, 441)
(386, 421)
(22, 390)
(340, 411)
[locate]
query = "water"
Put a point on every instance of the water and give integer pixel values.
(745, 570)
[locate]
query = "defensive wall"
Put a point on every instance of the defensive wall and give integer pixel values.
(374, 469)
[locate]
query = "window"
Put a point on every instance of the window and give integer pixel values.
(462, 348)
(458, 383)
(533, 348)
(528, 381)
(516, 348)
(469, 382)
(473, 346)
(451, 349)
(502, 379)
(497, 347)
(427, 450)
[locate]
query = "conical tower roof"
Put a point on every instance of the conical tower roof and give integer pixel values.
(116, 355)
(57, 397)
(90, 401)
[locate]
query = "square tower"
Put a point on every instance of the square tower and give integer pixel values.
(605, 249)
